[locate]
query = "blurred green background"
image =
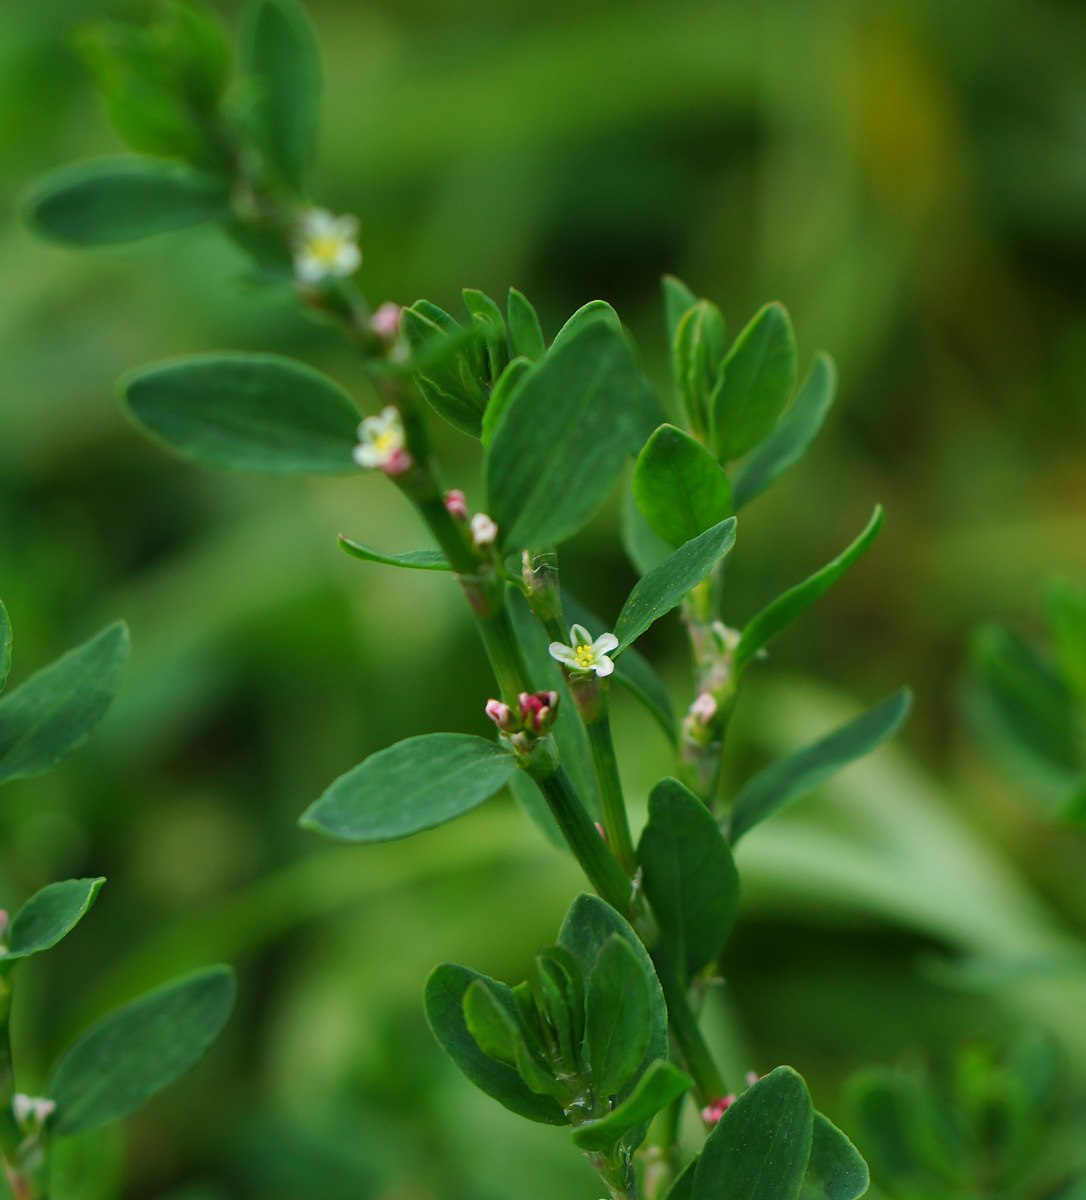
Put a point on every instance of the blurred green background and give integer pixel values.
(909, 178)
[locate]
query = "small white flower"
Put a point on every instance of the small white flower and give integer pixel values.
(31, 1112)
(583, 654)
(326, 246)
(381, 443)
(483, 530)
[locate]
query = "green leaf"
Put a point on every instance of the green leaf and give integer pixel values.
(697, 355)
(447, 364)
(678, 301)
(679, 487)
(488, 318)
(689, 876)
(789, 441)
(836, 1170)
(123, 1060)
(665, 586)
(103, 201)
(501, 395)
(417, 784)
(499, 1035)
(5, 646)
(281, 62)
(789, 605)
(683, 1187)
(618, 1020)
(759, 375)
(1067, 616)
(799, 773)
(759, 1149)
(445, 991)
(414, 560)
(50, 915)
(644, 548)
(247, 412)
(656, 1089)
(49, 715)
(564, 437)
(525, 331)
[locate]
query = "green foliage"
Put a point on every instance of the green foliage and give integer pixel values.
(799, 773)
(783, 611)
(417, 784)
(246, 412)
(49, 916)
(123, 1060)
(689, 876)
(697, 358)
(1067, 618)
(665, 586)
(679, 487)
(107, 200)
(500, 1035)
(678, 300)
(618, 1022)
(412, 560)
(449, 368)
(759, 1149)
(5, 646)
(281, 72)
(51, 714)
(835, 1170)
(487, 318)
(525, 331)
(661, 1083)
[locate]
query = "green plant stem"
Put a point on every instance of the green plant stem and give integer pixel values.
(698, 1059)
(615, 819)
(661, 1155)
(10, 1136)
(582, 836)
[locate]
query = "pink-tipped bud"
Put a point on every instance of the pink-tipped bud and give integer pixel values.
(501, 714)
(483, 530)
(703, 709)
(399, 462)
(385, 322)
(456, 505)
(712, 1113)
(537, 710)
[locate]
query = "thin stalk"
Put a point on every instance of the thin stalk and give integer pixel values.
(10, 1136)
(697, 1057)
(615, 820)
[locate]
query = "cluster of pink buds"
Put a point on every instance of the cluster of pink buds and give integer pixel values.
(713, 1111)
(534, 714)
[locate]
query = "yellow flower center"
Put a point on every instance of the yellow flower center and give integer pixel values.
(325, 248)
(584, 655)
(385, 443)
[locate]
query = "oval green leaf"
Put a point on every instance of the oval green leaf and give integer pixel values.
(759, 1149)
(799, 773)
(679, 487)
(678, 301)
(247, 412)
(689, 876)
(50, 915)
(661, 1083)
(128, 1056)
(49, 715)
(525, 331)
(697, 356)
(836, 1169)
(417, 784)
(665, 586)
(500, 1035)
(414, 560)
(108, 200)
(618, 1015)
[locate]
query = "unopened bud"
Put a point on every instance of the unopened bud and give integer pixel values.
(385, 322)
(501, 714)
(537, 711)
(713, 1111)
(703, 709)
(456, 505)
(31, 1112)
(483, 530)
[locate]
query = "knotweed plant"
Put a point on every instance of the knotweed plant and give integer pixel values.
(605, 1036)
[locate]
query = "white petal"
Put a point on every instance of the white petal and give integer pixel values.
(605, 643)
(308, 268)
(347, 226)
(318, 222)
(603, 666)
(348, 259)
(366, 456)
(579, 636)
(562, 653)
(372, 427)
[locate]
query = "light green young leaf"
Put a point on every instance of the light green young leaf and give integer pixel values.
(757, 383)
(836, 1169)
(678, 301)
(123, 1060)
(679, 487)
(759, 1149)
(525, 331)
(445, 991)
(660, 1084)
(281, 66)
(489, 320)
(107, 200)
(797, 774)
(689, 876)
(787, 606)
(795, 432)
(49, 715)
(246, 412)
(499, 1035)
(563, 439)
(500, 396)
(5, 646)
(665, 586)
(50, 915)
(416, 784)
(697, 355)
(414, 560)
(618, 1020)
(448, 365)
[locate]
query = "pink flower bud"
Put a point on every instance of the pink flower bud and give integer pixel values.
(500, 714)
(399, 463)
(537, 710)
(385, 322)
(703, 709)
(456, 504)
(712, 1113)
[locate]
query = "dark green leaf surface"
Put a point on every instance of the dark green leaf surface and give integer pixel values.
(618, 1015)
(281, 65)
(665, 586)
(414, 560)
(688, 875)
(658, 1086)
(796, 774)
(247, 412)
(500, 1036)
(417, 784)
(50, 714)
(836, 1170)
(563, 439)
(108, 200)
(759, 1149)
(525, 331)
(784, 610)
(448, 365)
(683, 1187)
(759, 375)
(445, 990)
(679, 487)
(50, 915)
(5, 646)
(789, 441)
(128, 1056)
(501, 395)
